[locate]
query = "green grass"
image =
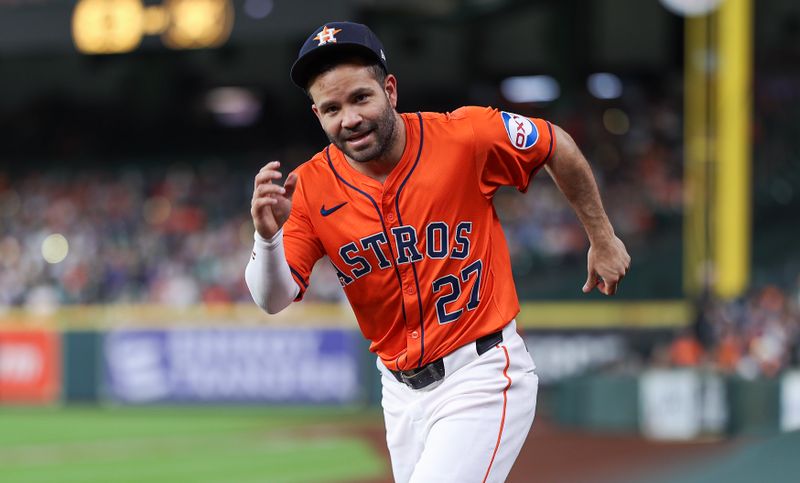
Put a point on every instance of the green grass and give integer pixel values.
(174, 444)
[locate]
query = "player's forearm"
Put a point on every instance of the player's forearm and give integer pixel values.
(268, 275)
(573, 176)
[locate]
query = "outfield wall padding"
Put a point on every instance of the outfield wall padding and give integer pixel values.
(82, 381)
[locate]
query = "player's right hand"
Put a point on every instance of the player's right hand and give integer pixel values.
(271, 202)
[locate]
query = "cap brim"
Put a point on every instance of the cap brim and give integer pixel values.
(304, 66)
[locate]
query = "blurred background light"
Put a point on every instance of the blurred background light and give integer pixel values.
(118, 26)
(535, 88)
(691, 8)
(107, 26)
(616, 121)
(258, 9)
(197, 24)
(156, 20)
(55, 248)
(233, 106)
(603, 85)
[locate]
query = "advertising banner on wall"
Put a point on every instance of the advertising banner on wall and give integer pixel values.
(30, 366)
(790, 401)
(558, 356)
(232, 365)
(681, 404)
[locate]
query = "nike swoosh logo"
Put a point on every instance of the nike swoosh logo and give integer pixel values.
(324, 212)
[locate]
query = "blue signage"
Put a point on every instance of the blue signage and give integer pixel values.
(232, 365)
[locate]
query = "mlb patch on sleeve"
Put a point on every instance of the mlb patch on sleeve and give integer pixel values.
(521, 131)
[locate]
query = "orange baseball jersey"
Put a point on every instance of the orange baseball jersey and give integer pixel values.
(422, 257)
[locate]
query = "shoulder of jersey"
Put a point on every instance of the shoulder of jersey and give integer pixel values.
(317, 163)
(472, 112)
(312, 173)
(459, 114)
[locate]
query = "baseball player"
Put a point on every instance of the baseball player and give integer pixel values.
(402, 206)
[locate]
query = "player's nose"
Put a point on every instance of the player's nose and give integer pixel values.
(351, 119)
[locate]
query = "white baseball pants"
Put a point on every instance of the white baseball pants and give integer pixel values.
(470, 426)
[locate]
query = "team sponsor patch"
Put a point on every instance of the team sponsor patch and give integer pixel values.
(521, 131)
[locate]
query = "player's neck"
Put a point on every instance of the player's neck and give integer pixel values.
(380, 168)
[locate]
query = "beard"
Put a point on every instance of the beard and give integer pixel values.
(383, 128)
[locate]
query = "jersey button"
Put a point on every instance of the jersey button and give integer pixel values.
(410, 290)
(390, 217)
(415, 335)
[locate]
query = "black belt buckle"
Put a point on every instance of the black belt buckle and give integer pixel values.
(423, 376)
(483, 344)
(434, 371)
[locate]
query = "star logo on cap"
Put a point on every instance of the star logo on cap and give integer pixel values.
(327, 35)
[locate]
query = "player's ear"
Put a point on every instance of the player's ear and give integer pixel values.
(315, 110)
(390, 87)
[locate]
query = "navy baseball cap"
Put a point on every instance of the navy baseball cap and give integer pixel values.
(336, 37)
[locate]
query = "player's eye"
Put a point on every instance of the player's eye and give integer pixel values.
(362, 97)
(331, 110)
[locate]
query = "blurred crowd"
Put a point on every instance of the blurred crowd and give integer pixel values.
(634, 148)
(180, 233)
(132, 235)
(755, 335)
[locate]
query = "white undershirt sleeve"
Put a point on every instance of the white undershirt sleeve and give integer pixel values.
(268, 275)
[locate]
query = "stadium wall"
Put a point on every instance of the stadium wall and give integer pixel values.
(314, 354)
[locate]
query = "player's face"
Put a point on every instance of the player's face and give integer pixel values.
(356, 112)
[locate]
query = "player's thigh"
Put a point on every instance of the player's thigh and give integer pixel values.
(478, 434)
(404, 426)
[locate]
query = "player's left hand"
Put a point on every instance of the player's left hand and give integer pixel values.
(608, 262)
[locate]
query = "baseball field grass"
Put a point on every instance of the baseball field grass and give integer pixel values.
(187, 444)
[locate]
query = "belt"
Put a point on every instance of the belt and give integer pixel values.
(434, 371)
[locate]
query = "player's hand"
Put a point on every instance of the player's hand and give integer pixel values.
(608, 262)
(271, 202)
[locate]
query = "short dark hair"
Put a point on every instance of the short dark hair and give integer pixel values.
(343, 56)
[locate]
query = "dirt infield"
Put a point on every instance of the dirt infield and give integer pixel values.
(558, 455)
